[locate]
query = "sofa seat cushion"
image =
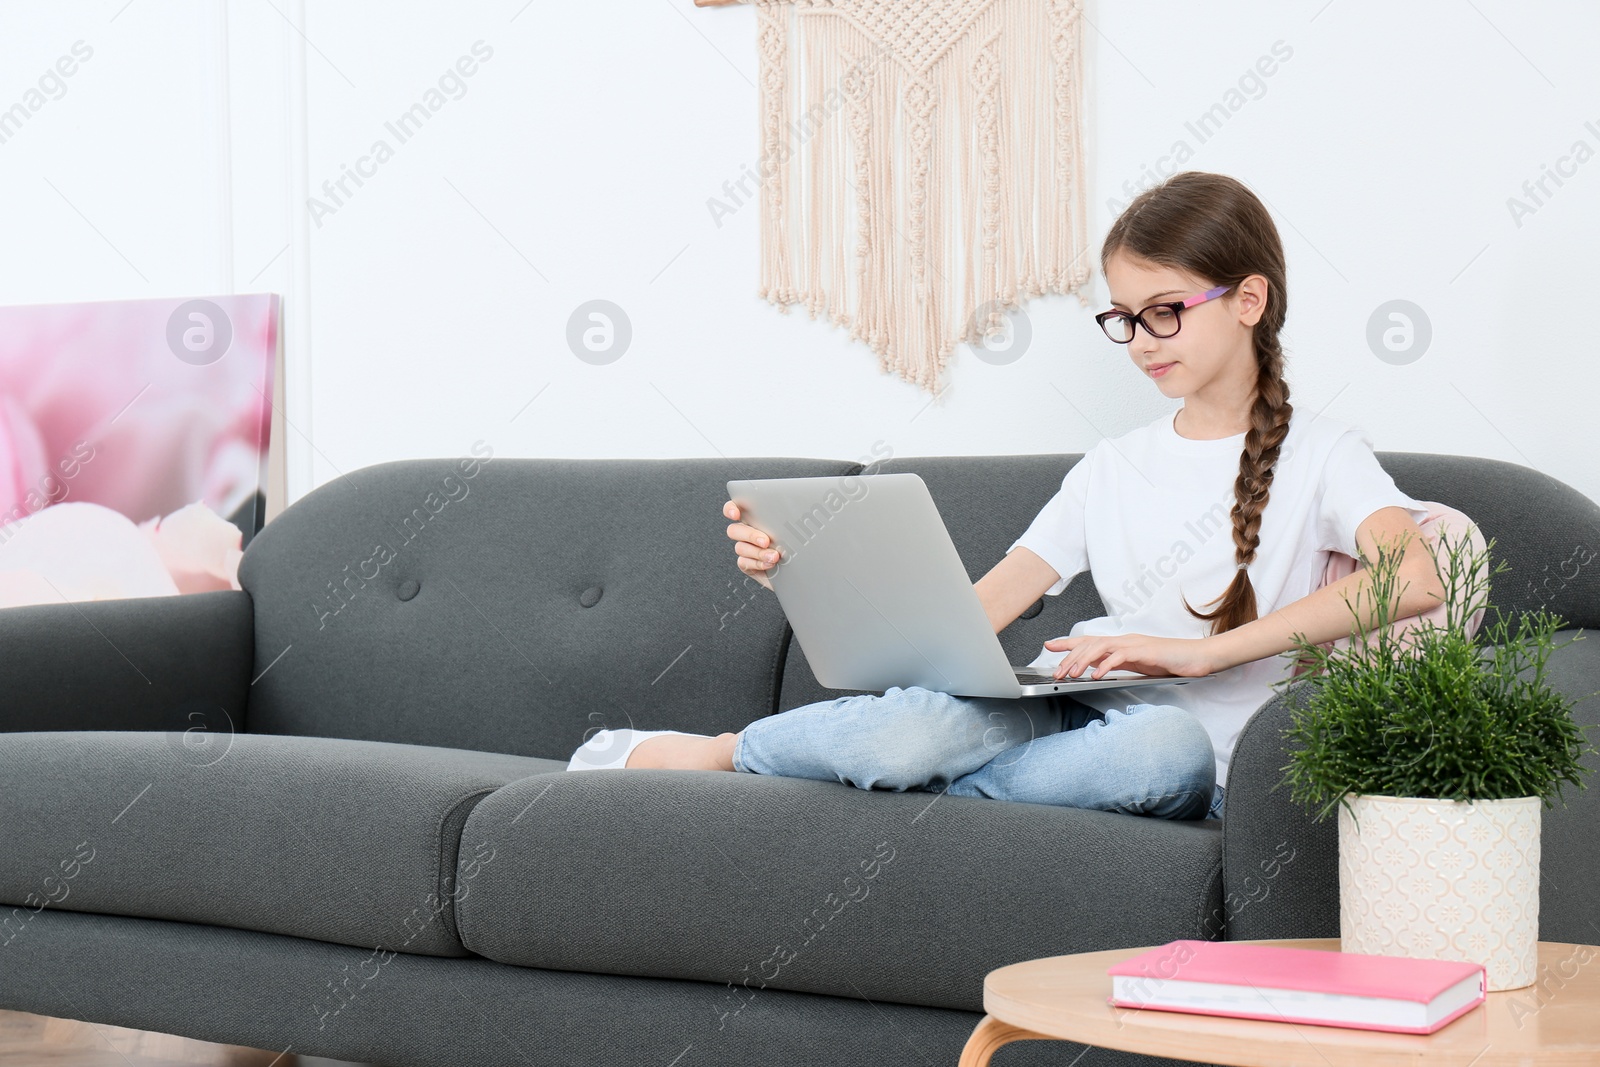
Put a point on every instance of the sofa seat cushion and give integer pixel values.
(353, 842)
(751, 880)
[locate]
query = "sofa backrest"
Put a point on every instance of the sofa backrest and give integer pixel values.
(1547, 532)
(512, 605)
(517, 608)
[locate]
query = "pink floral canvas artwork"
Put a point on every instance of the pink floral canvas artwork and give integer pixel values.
(133, 444)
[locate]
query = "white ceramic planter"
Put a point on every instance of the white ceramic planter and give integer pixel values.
(1443, 879)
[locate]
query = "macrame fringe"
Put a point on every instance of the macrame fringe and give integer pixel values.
(888, 124)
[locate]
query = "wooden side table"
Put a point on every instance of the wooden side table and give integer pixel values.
(1553, 1023)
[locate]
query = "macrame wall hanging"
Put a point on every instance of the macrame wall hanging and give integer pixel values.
(921, 167)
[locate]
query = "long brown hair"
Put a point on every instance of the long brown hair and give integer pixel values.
(1215, 228)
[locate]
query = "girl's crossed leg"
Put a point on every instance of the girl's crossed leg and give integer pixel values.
(1150, 759)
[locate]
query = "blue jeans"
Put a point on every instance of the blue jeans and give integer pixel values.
(1150, 759)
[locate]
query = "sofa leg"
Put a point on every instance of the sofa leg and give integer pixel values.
(989, 1035)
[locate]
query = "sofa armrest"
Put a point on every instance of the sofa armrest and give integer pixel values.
(142, 663)
(1280, 870)
(1569, 838)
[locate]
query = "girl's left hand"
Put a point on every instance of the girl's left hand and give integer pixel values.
(1185, 657)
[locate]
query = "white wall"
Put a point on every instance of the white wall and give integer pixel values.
(430, 308)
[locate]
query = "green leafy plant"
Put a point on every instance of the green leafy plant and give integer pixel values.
(1429, 710)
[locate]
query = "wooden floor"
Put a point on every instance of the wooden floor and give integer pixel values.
(37, 1041)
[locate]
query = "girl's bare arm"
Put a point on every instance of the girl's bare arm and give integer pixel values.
(1012, 585)
(1324, 615)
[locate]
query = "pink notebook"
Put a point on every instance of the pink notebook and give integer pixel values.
(1298, 985)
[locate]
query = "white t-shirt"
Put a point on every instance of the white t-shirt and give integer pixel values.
(1149, 514)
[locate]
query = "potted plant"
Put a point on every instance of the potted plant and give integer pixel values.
(1439, 749)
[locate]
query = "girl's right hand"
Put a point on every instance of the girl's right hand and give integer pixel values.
(756, 554)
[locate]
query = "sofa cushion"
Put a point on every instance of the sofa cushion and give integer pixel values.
(817, 886)
(354, 842)
(536, 599)
(1549, 535)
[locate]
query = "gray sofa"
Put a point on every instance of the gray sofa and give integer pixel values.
(329, 815)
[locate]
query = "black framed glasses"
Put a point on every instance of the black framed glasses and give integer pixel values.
(1158, 320)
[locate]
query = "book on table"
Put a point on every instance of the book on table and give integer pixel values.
(1299, 985)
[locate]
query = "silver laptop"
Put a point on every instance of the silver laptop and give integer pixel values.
(877, 595)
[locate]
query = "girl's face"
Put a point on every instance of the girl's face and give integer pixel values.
(1213, 351)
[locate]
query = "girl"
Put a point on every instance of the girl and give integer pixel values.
(1233, 501)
